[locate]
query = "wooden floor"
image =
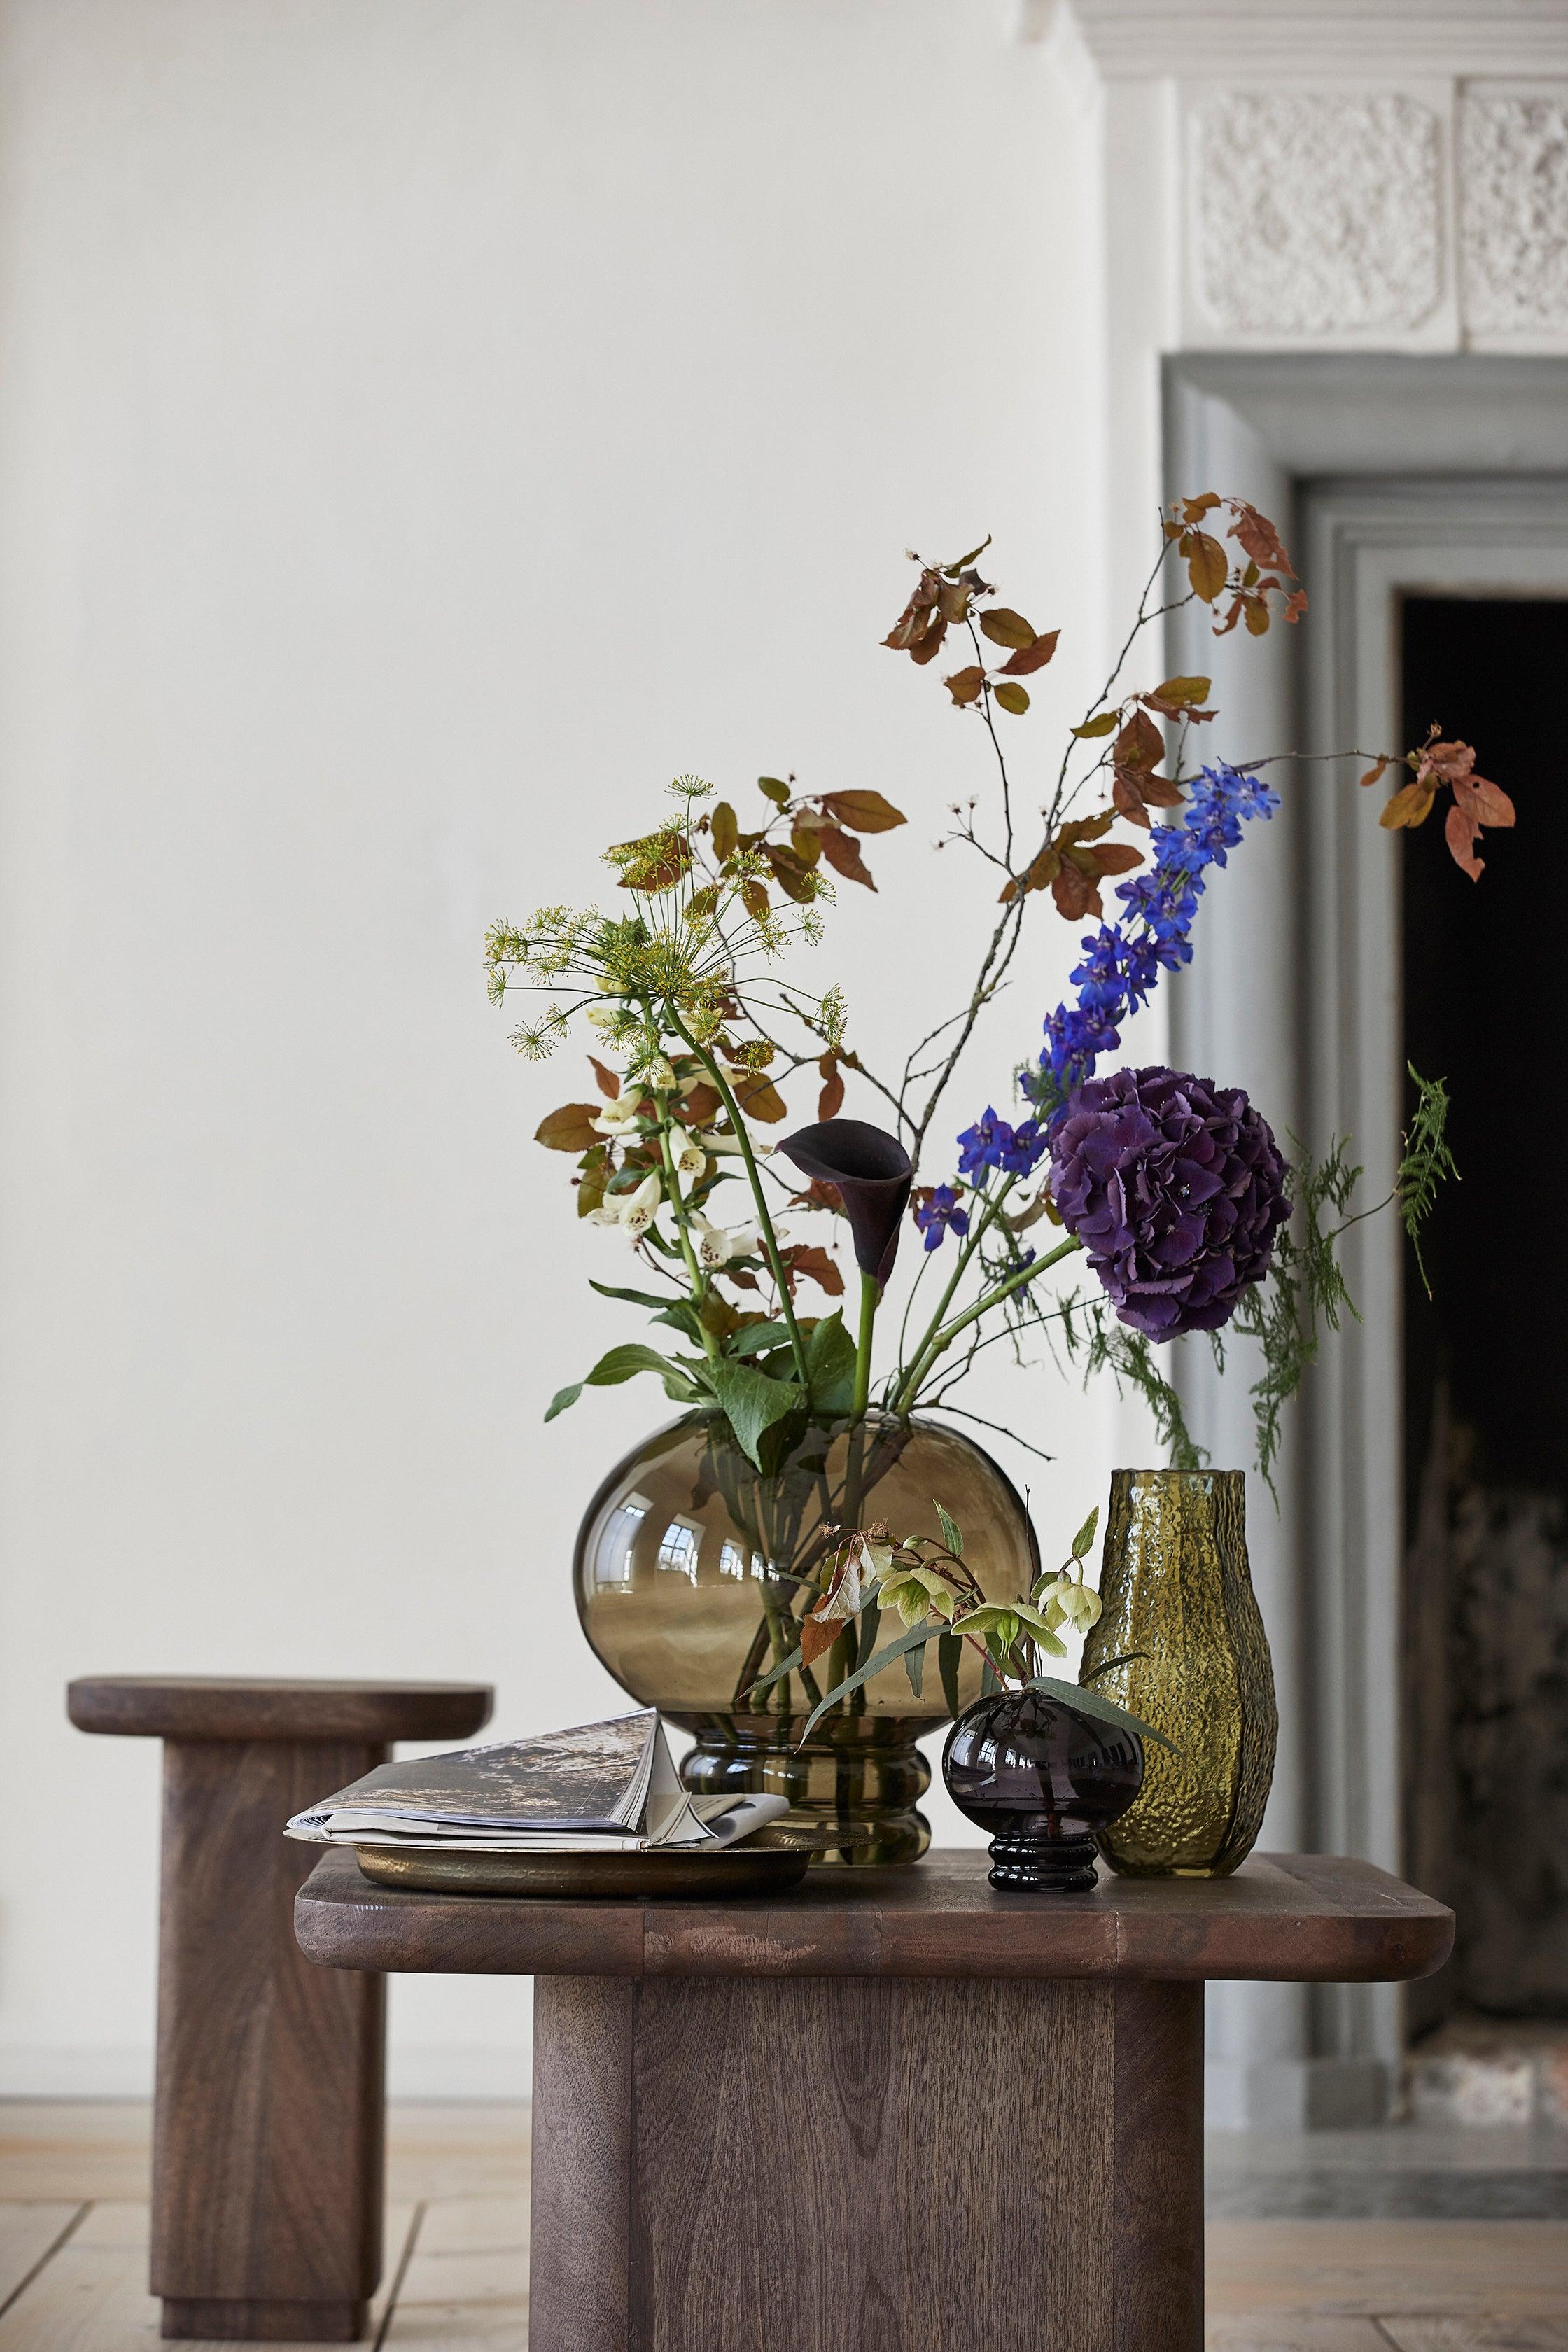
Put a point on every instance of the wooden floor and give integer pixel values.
(73, 2252)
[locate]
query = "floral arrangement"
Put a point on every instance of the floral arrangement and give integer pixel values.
(938, 1598)
(1170, 1192)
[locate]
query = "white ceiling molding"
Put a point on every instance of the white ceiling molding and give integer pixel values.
(1152, 40)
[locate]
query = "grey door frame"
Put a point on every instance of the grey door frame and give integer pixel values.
(1388, 473)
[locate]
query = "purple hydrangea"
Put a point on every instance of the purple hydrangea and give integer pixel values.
(1175, 1188)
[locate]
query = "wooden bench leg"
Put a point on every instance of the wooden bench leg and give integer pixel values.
(739, 2165)
(268, 2147)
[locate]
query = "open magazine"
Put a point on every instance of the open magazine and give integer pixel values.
(604, 1788)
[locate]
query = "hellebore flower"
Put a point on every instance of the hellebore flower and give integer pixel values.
(873, 1173)
(1175, 1188)
(940, 1214)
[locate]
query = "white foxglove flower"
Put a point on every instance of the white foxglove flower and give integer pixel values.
(660, 1075)
(690, 1158)
(715, 1248)
(760, 1148)
(616, 1117)
(641, 1206)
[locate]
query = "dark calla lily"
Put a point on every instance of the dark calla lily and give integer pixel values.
(873, 1173)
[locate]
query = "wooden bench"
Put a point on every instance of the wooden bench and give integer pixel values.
(267, 2134)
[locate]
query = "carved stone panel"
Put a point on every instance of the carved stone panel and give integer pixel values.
(1317, 212)
(1513, 212)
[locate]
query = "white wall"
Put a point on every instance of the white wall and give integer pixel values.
(425, 428)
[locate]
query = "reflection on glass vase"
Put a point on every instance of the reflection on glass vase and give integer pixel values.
(693, 1569)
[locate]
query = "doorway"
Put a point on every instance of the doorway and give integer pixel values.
(1486, 1453)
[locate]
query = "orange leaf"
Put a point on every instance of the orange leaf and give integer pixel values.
(1011, 698)
(816, 1634)
(1195, 509)
(608, 1083)
(755, 900)
(1375, 775)
(842, 852)
(726, 828)
(1006, 627)
(866, 812)
(759, 1098)
(1461, 833)
(811, 1261)
(964, 685)
(1412, 806)
(702, 1104)
(1075, 892)
(1117, 856)
(570, 1129)
(1032, 657)
(1486, 803)
(1208, 567)
(1259, 540)
(830, 1102)
(1140, 743)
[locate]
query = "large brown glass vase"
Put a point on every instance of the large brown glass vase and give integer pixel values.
(1176, 1591)
(693, 1569)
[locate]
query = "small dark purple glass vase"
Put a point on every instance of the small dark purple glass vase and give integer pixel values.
(1044, 1778)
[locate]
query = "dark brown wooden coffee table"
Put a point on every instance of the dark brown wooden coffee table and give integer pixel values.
(893, 2111)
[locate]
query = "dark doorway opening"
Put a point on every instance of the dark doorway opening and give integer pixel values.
(1485, 991)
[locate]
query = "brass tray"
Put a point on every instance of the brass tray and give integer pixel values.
(771, 1859)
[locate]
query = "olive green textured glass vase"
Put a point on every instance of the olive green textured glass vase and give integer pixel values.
(693, 1569)
(1175, 1586)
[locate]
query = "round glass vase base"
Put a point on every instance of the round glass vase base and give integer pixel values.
(868, 1793)
(1052, 1865)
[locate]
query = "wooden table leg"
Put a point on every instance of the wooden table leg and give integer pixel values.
(858, 2165)
(267, 2160)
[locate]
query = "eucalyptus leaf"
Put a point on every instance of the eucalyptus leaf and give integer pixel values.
(1103, 1710)
(1084, 1536)
(915, 1668)
(949, 1658)
(1110, 1664)
(765, 1682)
(952, 1533)
(884, 1658)
(562, 1397)
(635, 1298)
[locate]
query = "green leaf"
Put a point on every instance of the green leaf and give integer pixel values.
(562, 1397)
(1011, 698)
(952, 1533)
(1084, 1536)
(635, 1298)
(1104, 722)
(774, 788)
(884, 1658)
(625, 1363)
(1103, 1710)
(751, 1402)
(756, 1337)
(915, 1668)
(830, 1366)
(949, 1658)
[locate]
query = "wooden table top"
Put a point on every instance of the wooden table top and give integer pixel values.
(252, 1706)
(1284, 1916)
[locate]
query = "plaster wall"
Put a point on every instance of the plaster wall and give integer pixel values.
(422, 431)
